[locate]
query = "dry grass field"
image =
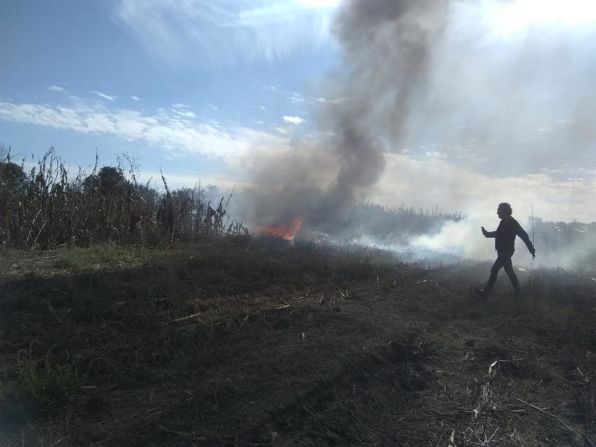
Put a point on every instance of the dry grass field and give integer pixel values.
(243, 344)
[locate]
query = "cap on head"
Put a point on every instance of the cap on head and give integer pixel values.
(505, 208)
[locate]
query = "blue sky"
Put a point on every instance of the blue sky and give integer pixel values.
(189, 86)
(198, 86)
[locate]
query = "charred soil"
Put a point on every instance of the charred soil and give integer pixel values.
(235, 343)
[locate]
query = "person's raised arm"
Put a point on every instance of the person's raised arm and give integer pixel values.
(488, 233)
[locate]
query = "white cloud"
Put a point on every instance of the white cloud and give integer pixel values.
(332, 101)
(296, 98)
(221, 32)
(184, 113)
(177, 179)
(56, 88)
(166, 129)
(296, 120)
(104, 96)
(135, 98)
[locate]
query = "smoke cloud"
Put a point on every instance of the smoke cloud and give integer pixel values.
(388, 51)
(461, 104)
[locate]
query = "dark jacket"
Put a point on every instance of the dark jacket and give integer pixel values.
(505, 236)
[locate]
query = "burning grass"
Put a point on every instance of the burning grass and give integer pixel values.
(287, 232)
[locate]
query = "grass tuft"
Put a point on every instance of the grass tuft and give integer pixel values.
(47, 387)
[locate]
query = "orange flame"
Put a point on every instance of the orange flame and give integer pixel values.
(287, 232)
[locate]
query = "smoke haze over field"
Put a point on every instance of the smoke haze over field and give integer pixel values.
(313, 105)
(461, 104)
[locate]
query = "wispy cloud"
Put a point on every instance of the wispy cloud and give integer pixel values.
(296, 98)
(56, 88)
(184, 113)
(221, 32)
(174, 130)
(104, 96)
(135, 98)
(182, 179)
(296, 120)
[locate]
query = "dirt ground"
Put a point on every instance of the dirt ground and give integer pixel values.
(242, 344)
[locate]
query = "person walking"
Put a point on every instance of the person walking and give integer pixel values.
(504, 237)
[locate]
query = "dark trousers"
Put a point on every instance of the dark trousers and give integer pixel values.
(503, 260)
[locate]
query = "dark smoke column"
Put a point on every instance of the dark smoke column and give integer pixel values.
(387, 48)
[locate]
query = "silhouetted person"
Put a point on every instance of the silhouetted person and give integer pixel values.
(505, 246)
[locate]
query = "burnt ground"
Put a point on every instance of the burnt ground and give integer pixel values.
(237, 344)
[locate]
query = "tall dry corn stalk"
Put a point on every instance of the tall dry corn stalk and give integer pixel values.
(43, 207)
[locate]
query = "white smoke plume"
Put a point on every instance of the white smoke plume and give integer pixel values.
(461, 104)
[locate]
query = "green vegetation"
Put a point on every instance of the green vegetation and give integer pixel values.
(45, 385)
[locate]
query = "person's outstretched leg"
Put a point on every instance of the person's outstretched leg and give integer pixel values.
(494, 271)
(512, 276)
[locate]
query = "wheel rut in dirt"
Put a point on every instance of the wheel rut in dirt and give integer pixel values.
(360, 401)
